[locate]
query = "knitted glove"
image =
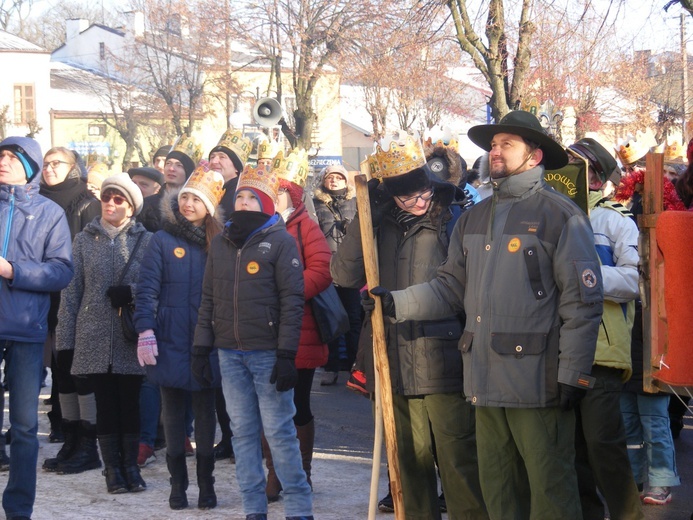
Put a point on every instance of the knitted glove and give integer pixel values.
(202, 367)
(284, 373)
(570, 396)
(120, 295)
(386, 299)
(147, 349)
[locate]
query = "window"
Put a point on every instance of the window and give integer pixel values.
(24, 104)
(102, 50)
(97, 130)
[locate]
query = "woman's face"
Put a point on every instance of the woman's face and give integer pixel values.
(283, 200)
(56, 166)
(115, 209)
(334, 182)
(192, 208)
(247, 201)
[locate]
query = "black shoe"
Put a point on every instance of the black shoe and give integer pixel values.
(224, 450)
(4, 461)
(441, 503)
(56, 436)
(387, 505)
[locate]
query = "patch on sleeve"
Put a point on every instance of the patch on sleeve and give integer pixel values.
(295, 262)
(590, 283)
(589, 278)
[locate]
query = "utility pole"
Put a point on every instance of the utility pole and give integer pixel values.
(684, 93)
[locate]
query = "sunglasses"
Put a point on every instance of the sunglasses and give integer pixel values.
(118, 200)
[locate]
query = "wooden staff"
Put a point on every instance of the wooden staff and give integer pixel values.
(382, 365)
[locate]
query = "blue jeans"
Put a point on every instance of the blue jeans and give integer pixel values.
(23, 372)
(150, 407)
(648, 435)
(254, 404)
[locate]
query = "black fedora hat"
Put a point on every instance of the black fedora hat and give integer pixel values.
(524, 124)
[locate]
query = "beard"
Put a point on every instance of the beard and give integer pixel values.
(498, 171)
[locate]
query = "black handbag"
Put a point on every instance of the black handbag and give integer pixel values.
(330, 315)
(126, 312)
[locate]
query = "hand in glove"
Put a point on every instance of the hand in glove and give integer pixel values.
(147, 349)
(380, 201)
(120, 295)
(367, 303)
(570, 396)
(284, 373)
(386, 299)
(202, 367)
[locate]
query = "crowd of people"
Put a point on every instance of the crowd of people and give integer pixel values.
(176, 298)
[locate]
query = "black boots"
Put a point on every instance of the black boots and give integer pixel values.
(130, 449)
(113, 471)
(205, 481)
(178, 469)
(71, 431)
(85, 456)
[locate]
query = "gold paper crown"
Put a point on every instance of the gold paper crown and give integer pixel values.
(451, 144)
(209, 184)
(396, 155)
(233, 140)
(441, 136)
(98, 172)
(187, 145)
(293, 168)
(262, 178)
(631, 151)
(267, 149)
(673, 152)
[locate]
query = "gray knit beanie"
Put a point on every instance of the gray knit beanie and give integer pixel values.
(131, 191)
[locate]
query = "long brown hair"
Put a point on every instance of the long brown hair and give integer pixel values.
(212, 228)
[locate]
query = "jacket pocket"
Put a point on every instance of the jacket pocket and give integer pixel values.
(446, 329)
(272, 322)
(466, 340)
(518, 345)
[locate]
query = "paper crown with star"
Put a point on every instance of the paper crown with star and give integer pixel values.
(396, 154)
(293, 168)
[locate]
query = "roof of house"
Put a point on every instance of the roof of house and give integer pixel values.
(10, 42)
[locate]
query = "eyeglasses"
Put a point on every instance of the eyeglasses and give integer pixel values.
(410, 202)
(281, 191)
(54, 164)
(118, 200)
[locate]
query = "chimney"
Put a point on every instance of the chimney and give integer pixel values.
(74, 27)
(134, 27)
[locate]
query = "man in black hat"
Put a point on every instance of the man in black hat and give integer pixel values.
(149, 180)
(600, 438)
(159, 159)
(523, 266)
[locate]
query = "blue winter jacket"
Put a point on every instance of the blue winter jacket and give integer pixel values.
(35, 239)
(168, 296)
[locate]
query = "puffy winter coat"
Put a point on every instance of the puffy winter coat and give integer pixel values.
(423, 355)
(334, 213)
(252, 296)
(169, 290)
(86, 321)
(524, 268)
(315, 255)
(35, 239)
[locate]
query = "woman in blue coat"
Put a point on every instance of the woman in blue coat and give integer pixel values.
(168, 297)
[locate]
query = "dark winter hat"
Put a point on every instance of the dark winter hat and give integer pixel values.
(601, 161)
(131, 191)
(150, 173)
(411, 182)
(162, 151)
(28, 151)
(445, 163)
(263, 182)
(524, 124)
(187, 151)
(235, 146)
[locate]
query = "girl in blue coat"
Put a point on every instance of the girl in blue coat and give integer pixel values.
(168, 297)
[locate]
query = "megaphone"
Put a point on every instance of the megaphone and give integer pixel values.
(267, 112)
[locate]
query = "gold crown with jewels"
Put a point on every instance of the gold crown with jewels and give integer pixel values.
(187, 145)
(396, 154)
(293, 168)
(635, 148)
(233, 140)
(208, 183)
(266, 148)
(673, 152)
(262, 178)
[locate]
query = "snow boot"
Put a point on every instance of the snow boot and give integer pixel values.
(71, 431)
(86, 456)
(130, 447)
(177, 467)
(205, 481)
(110, 451)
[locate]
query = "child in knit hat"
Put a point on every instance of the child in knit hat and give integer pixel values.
(251, 312)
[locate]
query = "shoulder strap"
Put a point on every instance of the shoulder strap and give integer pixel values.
(610, 204)
(300, 244)
(132, 257)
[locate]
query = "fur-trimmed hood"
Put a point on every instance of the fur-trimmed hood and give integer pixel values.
(169, 204)
(324, 197)
(457, 171)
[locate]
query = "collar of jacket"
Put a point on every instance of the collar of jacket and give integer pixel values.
(21, 191)
(517, 185)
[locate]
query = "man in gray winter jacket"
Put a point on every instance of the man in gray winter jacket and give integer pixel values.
(35, 260)
(523, 266)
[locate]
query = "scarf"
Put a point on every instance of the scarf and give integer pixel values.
(65, 193)
(185, 229)
(243, 223)
(405, 219)
(336, 194)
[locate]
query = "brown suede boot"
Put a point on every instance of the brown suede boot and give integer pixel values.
(306, 439)
(273, 487)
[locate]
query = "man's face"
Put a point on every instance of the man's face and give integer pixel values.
(510, 155)
(416, 203)
(11, 169)
(222, 163)
(147, 186)
(174, 173)
(159, 163)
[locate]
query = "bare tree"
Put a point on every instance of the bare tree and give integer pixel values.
(13, 13)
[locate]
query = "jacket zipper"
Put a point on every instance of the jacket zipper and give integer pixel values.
(6, 243)
(110, 363)
(235, 298)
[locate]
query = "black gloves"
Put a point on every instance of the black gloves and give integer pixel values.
(201, 366)
(570, 396)
(381, 202)
(120, 295)
(284, 373)
(386, 299)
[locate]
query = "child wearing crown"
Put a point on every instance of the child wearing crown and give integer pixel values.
(251, 312)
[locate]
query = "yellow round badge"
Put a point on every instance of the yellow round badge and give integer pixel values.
(179, 252)
(514, 245)
(252, 268)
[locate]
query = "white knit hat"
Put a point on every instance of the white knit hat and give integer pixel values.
(131, 191)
